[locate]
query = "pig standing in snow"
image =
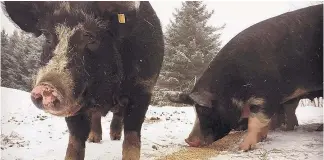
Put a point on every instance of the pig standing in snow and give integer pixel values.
(287, 112)
(265, 66)
(98, 57)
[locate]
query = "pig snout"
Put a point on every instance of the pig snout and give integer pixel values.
(196, 141)
(193, 141)
(57, 102)
(45, 97)
(195, 138)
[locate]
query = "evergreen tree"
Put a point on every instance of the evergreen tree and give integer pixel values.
(4, 38)
(9, 62)
(19, 59)
(190, 45)
(30, 55)
(33, 54)
(4, 58)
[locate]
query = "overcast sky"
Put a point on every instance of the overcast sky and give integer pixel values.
(237, 15)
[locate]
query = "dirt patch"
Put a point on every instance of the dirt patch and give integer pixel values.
(152, 119)
(12, 140)
(190, 153)
(228, 142)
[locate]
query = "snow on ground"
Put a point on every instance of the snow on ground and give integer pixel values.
(29, 133)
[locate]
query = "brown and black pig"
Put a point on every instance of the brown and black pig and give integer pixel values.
(264, 66)
(97, 57)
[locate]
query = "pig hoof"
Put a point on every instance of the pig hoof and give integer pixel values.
(289, 128)
(245, 146)
(263, 138)
(94, 137)
(320, 128)
(114, 135)
(249, 142)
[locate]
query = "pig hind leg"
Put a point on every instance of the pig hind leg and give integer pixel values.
(290, 109)
(116, 125)
(278, 119)
(95, 134)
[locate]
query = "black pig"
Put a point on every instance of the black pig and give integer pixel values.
(98, 56)
(255, 73)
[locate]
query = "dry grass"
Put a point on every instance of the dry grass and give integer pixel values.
(191, 153)
(152, 119)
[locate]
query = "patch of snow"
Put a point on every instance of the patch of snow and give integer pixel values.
(29, 133)
(46, 136)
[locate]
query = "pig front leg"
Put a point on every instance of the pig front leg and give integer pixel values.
(259, 122)
(79, 128)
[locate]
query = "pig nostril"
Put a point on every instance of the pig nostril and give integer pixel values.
(37, 99)
(56, 102)
(47, 93)
(36, 96)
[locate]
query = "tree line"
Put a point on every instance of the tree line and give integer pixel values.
(20, 53)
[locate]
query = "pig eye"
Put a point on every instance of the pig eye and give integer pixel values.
(90, 38)
(91, 42)
(48, 36)
(48, 41)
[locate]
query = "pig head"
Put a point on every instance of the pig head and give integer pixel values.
(80, 58)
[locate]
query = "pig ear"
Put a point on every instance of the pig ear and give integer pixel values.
(203, 98)
(117, 6)
(23, 14)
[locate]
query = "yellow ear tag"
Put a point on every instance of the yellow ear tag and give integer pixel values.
(121, 18)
